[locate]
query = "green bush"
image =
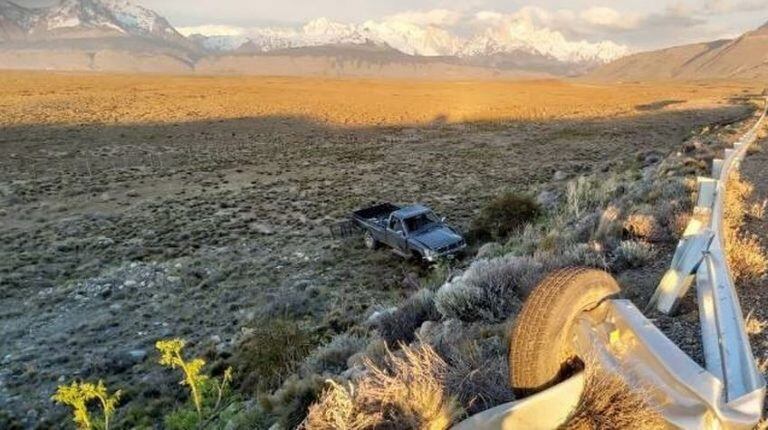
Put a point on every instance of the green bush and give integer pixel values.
(271, 352)
(504, 215)
(401, 324)
(290, 404)
(332, 357)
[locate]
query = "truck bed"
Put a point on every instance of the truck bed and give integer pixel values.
(378, 214)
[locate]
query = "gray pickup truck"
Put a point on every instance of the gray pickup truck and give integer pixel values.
(411, 231)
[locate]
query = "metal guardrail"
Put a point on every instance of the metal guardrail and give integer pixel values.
(728, 394)
(701, 255)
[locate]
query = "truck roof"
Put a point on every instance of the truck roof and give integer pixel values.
(410, 211)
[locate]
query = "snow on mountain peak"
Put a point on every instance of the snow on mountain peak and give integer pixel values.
(86, 18)
(432, 34)
(518, 32)
(438, 32)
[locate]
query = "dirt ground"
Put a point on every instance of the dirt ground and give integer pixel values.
(139, 208)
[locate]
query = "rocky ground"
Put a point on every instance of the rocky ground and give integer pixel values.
(114, 236)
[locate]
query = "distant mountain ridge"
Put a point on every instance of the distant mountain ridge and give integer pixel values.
(519, 35)
(745, 57)
(75, 19)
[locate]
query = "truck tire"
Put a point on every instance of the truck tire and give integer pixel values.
(370, 241)
(540, 350)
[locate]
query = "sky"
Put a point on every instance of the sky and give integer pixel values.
(639, 24)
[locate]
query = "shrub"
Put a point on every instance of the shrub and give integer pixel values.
(585, 194)
(406, 393)
(504, 215)
(332, 357)
(290, 403)
(608, 228)
(754, 325)
(400, 325)
(489, 289)
(632, 253)
(337, 409)
(271, 352)
(641, 226)
(580, 254)
(746, 258)
(477, 376)
(609, 402)
(460, 300)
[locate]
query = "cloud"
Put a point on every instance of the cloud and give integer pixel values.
(609, 18)
(729, 6)
(434, 17)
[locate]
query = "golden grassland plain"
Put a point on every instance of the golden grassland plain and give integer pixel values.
(49, 98)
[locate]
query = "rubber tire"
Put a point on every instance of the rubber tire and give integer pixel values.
(369, 241)
(540, 351)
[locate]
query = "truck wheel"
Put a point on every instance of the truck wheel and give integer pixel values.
(540, 350)
(370, 241)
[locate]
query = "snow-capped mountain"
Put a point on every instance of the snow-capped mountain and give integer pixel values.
(503, 35)
(15, 21)
(115, 34)
(87, 19)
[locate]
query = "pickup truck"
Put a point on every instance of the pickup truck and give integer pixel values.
(411, 231)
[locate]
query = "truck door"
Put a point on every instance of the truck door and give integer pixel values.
(396, 234)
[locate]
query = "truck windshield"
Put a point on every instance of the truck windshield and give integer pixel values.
(421, 221)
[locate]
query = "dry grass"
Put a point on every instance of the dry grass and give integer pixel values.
(757, 210)
(746, 257)
(609, 402)
(337, 409)
(408, 393)
(46, 98)
(754, 325)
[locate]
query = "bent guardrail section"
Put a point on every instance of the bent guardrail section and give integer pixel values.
(701, 255)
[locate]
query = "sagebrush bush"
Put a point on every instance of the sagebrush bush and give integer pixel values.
(608, 227)
(641, 226)
(504, 215)
(585, 194)
(460, 300)
(290, 403)
(400, 324)
(489, 289)
(332, 357)
(477, 376)
(272, 351)
(633, 253)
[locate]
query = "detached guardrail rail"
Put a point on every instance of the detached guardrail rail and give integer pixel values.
(729, 393)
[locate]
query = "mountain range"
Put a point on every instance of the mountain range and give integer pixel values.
(745, 57)
(119, 35)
